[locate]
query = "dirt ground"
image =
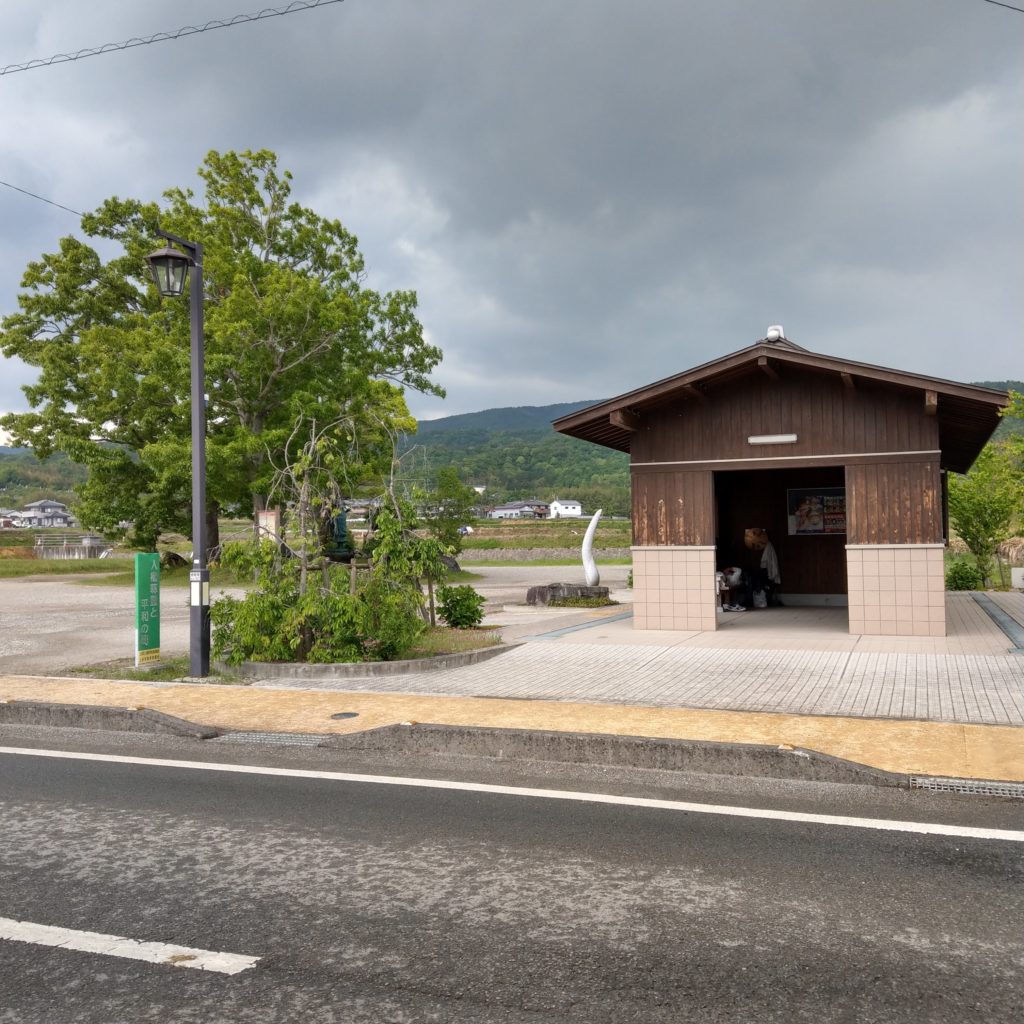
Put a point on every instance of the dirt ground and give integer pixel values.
(51, 624)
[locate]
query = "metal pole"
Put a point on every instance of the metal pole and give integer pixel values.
(199, 575)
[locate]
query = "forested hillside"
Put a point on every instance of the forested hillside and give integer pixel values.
(1010, 424)
(512, 452)
(24, 478)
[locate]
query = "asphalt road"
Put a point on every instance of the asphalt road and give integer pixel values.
(368, 902)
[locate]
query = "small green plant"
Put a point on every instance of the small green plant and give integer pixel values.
(581, 602)
(629, 579)
(315, 616)
(963, 575)
(460, 607)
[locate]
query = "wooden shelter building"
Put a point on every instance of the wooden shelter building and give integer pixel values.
(843, 463)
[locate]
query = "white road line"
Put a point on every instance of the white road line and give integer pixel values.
(130, 949)
(881, 824)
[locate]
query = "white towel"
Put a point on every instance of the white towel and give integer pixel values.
(770, 563)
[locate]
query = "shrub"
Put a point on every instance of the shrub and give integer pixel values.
(279, 621)
(962, 575)
(460, 607)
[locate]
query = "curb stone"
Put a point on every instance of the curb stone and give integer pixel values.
(365, 669)
(696, 756)
(92, 716)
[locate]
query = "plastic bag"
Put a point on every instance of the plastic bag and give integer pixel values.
(760, 599)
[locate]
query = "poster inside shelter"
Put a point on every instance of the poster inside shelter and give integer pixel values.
(816, 510)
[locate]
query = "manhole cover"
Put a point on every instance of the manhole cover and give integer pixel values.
(346, 714)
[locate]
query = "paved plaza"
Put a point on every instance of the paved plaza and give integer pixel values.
(791, 661)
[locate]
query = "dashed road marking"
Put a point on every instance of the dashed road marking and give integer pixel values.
(130, 949)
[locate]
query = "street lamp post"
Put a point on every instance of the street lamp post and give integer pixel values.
(170, 268)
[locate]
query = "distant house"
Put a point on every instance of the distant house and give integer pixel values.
(519, 510)
(568, 509)
(9, 518)
(47, 512)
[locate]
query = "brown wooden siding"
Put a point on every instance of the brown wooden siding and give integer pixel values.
(894, 503)
(673, 508)
(827, 418)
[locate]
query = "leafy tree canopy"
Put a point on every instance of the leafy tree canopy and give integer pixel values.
(290, 327)
(448, 507)
(984, 502)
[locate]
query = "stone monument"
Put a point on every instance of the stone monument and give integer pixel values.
(566, 591)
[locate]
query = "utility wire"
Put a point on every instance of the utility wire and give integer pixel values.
(42, 199)
(161, 37)
(1009, 7)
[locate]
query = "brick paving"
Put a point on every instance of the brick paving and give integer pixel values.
(810, 669)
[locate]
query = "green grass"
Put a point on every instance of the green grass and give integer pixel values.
(177, 578)
(168, 671)
(544, 533)
(491, 563)
(463, 576)
(440, 640)
(11, 568)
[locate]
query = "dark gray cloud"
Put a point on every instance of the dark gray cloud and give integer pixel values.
(587, 195)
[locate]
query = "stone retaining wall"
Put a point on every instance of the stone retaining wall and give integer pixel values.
(536, 554)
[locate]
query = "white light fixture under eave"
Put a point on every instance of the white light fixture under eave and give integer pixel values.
(772, 439)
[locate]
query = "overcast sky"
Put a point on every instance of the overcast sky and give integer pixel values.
(588, 196)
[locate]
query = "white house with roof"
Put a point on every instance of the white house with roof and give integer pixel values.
(47, 512)
(519, 510)
(565, 509)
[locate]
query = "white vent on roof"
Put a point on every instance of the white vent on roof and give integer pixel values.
(775, 333)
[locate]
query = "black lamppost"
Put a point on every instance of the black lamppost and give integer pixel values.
(170, 268)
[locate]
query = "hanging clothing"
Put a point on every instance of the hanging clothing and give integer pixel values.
(770, 563)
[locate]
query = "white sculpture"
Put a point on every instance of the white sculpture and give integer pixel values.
(590, 573)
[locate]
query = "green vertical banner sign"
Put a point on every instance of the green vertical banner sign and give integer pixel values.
(147, 609)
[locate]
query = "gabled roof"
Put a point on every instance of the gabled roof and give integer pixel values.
(47, 502)
(967, 414)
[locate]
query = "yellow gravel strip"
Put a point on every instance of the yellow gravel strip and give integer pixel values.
(927, 748)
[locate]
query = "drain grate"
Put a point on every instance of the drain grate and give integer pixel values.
(277, 739)
(971, 787)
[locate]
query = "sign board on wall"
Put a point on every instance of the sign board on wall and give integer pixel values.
(147, 609)
(816, 510)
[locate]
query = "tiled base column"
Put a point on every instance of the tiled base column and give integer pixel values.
(896, 589)
(674, 587)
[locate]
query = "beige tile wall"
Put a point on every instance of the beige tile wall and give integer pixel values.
(896, 589)
(674, 587)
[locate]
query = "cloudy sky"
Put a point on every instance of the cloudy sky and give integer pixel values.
(587, 195)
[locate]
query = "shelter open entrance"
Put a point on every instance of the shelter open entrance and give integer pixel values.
(802, 510)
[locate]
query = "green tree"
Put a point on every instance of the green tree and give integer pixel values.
(290, 328)
(983, 504)
(448, 507)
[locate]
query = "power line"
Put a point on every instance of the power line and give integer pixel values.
(1009, 7)
(42, 199)
(161, 37)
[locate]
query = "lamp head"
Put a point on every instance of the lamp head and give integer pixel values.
(169, 268)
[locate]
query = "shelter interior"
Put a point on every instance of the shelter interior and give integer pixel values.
(812, 565)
